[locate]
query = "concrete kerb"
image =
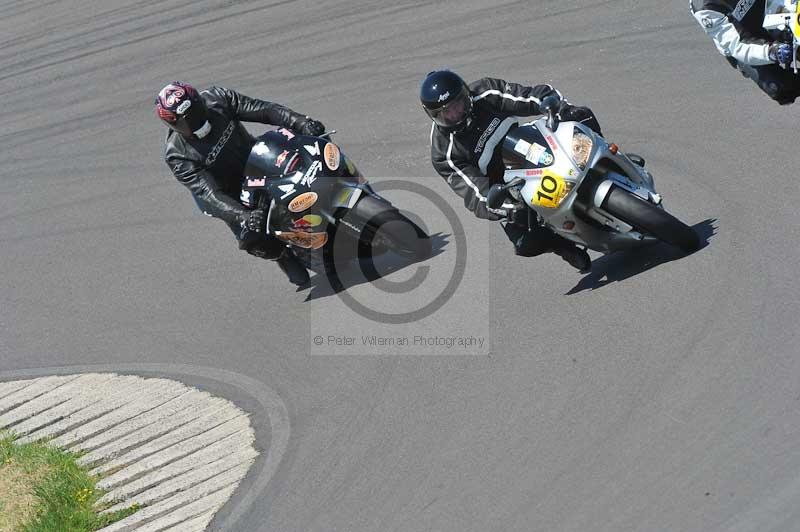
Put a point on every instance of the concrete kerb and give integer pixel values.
(270, 419)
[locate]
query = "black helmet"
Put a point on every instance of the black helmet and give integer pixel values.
(446, 99)
(180, 106)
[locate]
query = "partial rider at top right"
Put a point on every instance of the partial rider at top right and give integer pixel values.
(757, 37)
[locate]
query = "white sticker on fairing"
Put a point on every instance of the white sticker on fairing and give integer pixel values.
(311, 174)
(313, 150)
(534, 155)
(522, 147)
(287, 190)
(261, 149)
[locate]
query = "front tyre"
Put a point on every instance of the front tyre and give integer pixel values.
(386, 228)
(651, 218)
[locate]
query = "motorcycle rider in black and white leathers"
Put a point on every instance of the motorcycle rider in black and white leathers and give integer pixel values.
(207, 148)
(736, 27)
(470, 122)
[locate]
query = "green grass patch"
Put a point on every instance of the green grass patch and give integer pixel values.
(43, 489)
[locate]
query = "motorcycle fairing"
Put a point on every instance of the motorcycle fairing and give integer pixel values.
(287, 167)
(602, 165)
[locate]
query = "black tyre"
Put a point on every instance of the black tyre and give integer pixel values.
(651, 219)
(387, 229)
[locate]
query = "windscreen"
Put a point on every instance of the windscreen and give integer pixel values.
(525, 147)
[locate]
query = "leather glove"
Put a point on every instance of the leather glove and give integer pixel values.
(253, 220)
(568, 113)
(312, 127)
(780, 53)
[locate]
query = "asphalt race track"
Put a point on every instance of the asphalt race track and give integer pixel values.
(658, 393)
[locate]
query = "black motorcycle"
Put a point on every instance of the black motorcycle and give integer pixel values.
(320, 204)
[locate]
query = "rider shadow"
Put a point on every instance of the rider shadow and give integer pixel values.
(622, 265)
(322, 285)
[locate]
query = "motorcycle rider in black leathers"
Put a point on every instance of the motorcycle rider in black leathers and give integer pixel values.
(207, 148)
(470, 122)
(736, 27)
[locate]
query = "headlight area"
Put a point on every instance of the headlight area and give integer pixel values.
(581, 149)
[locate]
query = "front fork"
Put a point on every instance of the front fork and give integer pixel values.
(601, 191)
(347, 198)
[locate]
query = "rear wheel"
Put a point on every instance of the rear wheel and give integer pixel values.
(652, 219)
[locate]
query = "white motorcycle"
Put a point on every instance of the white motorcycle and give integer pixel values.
(783, 16)
(583, 188)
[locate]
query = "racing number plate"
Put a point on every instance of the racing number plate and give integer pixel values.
(796, 22)
(551, 189)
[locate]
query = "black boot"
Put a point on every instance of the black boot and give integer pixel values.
(575, 256)
(293, 268)
(637, 159)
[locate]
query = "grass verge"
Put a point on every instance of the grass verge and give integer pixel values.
(43, 489)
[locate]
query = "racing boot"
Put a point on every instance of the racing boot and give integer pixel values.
(636, 159)
(575, 256)
(293, 268)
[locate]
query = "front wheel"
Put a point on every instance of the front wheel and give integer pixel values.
(652, 219)
(386, 229)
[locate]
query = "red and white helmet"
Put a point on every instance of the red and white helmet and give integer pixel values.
(180, 106)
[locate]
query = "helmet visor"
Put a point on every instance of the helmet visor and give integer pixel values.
(454, 113)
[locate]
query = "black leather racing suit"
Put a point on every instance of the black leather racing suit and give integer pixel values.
(736, 27)
(471, 162)
(212, 167)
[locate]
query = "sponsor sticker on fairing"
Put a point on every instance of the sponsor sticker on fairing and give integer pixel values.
(332, 156)
(523, 147)
(313, 150)
(244, 197)
(303, 202)
(292, 163)
(261, 149)
(538, 154)
(256, 182)
(534, 153)
(281, 158)
(287, 190)
(311, 175)
(303, 239)
(308, 221)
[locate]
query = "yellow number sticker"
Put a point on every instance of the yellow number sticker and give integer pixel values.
(552, 189)
(796, 25)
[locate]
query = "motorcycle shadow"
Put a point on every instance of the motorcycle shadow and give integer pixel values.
(359, 272)
(623, 265)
